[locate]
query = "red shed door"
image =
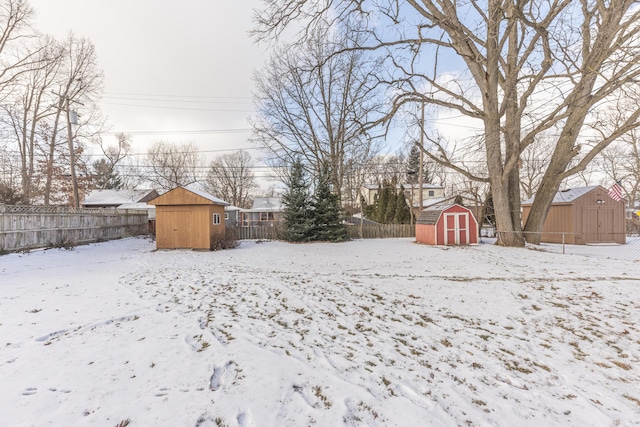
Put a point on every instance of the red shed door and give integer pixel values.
(456, 228)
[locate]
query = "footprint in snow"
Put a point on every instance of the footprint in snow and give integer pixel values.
(244, 419)
(162, 392)
(29, 391)
(216, 378)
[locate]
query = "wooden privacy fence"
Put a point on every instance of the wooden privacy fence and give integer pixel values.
(260, 232)
(379, 231)
(29, 227)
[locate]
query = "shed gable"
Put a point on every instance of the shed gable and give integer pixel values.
(182, 196)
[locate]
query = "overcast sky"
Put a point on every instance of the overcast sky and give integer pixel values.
(169, 66)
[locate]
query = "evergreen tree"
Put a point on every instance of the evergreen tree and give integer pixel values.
(402, 214)
(390, 211)
(297, 205)
(413, 167)
(369, 211)
(325, 214)
(105, 177)
(383, 202)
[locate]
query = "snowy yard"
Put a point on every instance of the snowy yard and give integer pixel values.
(365, 333)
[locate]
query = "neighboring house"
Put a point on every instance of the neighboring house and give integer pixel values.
(582, 216)
(265, 211)
(141, 206)
(188, 219)
(439, 202)
(116, 198)
(231, 216)
(447, 225)
(412, 193)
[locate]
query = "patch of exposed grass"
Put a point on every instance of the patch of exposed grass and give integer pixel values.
(622, 365)
(317, 391)
(631, 398)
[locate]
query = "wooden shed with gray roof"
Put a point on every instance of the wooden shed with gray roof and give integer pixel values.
(188, 219)
(581, 216)
(447, 225)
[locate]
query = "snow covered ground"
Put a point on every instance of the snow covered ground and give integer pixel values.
(364, 333)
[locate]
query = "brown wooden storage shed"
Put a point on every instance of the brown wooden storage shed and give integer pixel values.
(447, 225)
(584, 215)
(188, 219)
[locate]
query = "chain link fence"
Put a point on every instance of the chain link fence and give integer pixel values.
(561, 243)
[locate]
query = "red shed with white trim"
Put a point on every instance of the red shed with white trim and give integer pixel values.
(447, 225)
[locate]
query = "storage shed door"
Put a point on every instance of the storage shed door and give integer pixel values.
(597, 224)
(179, 225)
(456, 228)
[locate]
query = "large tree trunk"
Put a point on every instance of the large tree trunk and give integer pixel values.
(508, 231)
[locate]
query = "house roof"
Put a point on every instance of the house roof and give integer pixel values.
(266, 204)
(136, 205)
(566, 196)
(114, 197)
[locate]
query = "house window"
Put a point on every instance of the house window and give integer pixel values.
(226, 216)
(431, 193)
(216, 219)
(266, 216)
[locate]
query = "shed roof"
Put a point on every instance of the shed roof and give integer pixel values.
(190, 196)
(431, 215)
(567, 196)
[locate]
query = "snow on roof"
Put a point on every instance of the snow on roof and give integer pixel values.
(114, 197)
(266, 204)
(136, 205)
(566, 196)
(432, 201)
(231, 208)
(206, 195)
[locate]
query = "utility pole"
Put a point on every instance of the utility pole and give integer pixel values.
(72, 156)
(420, 173)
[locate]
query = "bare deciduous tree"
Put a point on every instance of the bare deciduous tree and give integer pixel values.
(172, 165)
(231, 178)
(523, 68)
(621, 162)
(314, 106)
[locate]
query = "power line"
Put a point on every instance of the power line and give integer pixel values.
(176, 108)
(175, 100)
(180, 132)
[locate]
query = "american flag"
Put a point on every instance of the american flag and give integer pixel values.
(615, 192)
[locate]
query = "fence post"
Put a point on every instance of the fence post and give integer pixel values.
(563, 243)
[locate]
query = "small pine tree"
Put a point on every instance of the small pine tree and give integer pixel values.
(297, 205)
(392, 200)
(402, 214)
(326, 220)
(383, 202)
